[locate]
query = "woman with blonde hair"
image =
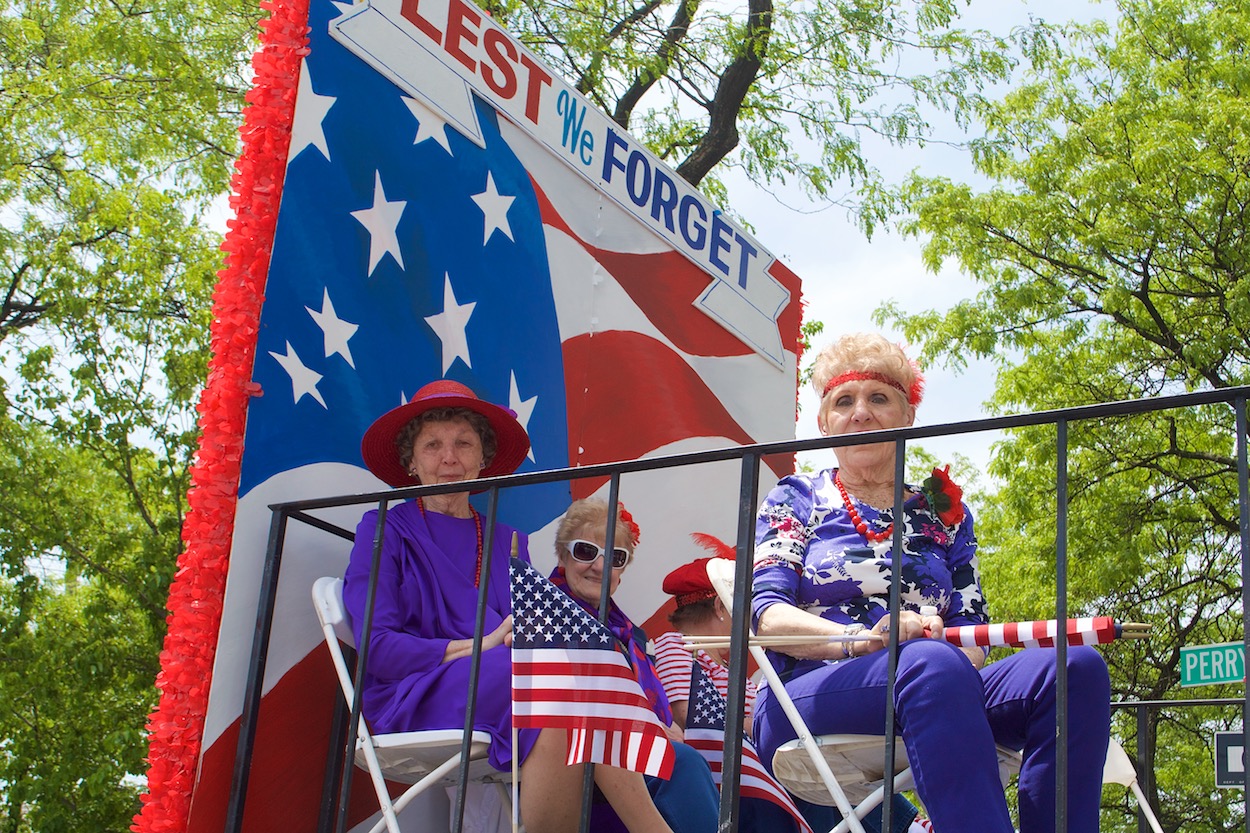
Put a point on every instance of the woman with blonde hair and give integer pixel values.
(688, 800)
(823, 565)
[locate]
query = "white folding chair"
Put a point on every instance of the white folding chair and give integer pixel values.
(422, 759)
(850, 768)
(831, 769)
(1119, 770)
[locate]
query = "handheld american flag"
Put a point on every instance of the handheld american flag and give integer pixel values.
(567, 672)
(705, 731)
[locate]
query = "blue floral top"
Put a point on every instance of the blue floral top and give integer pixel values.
(808, 554)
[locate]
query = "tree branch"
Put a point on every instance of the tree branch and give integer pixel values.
(646, 79)
(722, 133)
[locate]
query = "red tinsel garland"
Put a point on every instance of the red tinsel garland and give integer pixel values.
(195, 598)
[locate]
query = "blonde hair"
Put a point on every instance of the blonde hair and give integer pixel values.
(866, 353)
(591, 513)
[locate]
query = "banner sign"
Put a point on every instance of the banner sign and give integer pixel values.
(440, 204)
(445, 51)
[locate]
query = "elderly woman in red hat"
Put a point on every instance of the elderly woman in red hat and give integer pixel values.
(425, 606)
(823, 565)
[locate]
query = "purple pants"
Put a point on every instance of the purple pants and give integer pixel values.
(950, 716)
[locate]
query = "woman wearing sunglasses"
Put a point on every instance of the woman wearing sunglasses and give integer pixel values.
(689, 800)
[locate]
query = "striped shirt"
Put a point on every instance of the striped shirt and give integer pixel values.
(672, 660)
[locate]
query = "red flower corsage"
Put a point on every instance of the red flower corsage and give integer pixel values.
(634, 532)
(944, 498)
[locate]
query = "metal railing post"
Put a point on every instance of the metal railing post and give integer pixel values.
(605, 601)
(475, 658)
(1061, 627)
(1243, 511)
(1145, 776)
(362, 657)
(740, 619)
(896, 605)
(256, 673)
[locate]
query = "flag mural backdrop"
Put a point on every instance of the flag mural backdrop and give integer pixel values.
(438, 204)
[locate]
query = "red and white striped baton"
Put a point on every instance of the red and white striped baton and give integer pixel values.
(1094, 630)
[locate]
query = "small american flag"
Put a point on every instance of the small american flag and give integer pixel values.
(567, 672)
(705, 731)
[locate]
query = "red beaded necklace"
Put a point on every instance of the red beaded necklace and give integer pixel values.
(477, 523)
(871, 535)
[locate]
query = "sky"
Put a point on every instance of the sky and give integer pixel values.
(837, 263)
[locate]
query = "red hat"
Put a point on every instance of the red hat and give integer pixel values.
(378, 445)
(690, 582)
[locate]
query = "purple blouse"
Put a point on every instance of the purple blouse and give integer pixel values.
(808, 554)
(426, 598)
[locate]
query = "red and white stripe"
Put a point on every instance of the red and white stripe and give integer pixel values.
(754, 780)
(1094, 630)
(595, 695)
(672, 664)
(640, 751)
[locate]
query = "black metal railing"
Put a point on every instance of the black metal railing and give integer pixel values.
(750, 457)
(1144, 738)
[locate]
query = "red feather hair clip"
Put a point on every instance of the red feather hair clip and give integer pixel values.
(635, 533)
(714, 545)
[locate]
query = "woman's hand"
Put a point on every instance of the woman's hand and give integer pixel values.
(461, 648)
(911, 625)
(933, 625)
(501, 635)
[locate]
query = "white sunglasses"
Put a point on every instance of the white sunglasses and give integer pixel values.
(587, 551)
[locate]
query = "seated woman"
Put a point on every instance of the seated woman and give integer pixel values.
(823, 565)
(700, 612)
(421, 638)
(689, 800)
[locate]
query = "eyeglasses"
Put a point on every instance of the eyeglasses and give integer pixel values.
(586, 552)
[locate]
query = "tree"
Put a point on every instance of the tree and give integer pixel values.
(119, 128)
(1112, 248)
(704, 85)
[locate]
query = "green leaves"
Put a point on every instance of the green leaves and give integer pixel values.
(673, 73)
(1111, 249)
(118, 126)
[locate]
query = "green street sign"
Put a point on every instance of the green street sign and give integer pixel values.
(1213, 664)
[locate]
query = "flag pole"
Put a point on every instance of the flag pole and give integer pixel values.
(516, 780)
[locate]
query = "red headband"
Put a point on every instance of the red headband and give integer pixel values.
(692, 598)
(913, 396)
